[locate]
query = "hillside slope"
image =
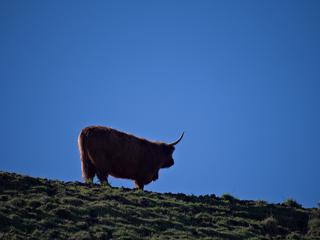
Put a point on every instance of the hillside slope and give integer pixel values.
(34, 208)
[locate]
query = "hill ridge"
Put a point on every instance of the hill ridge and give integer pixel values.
(38, 208)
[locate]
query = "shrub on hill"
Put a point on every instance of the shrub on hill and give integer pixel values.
(314, 223)
(229, 198)
(270, 225)
(292, 203)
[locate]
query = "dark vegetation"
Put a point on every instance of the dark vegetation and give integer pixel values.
(35, 208)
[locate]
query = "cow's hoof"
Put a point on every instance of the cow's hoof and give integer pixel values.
(89, 181)
(105, 184)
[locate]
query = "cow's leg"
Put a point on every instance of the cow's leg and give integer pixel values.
(101, 169)
(103, 178)
(89, 180)
(139, 184)
(105, 182)
(88, 171)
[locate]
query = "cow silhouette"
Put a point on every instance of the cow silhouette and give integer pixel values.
(106, 151)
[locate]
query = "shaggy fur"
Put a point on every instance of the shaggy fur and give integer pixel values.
(105, 151)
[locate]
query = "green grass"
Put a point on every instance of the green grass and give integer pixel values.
(34, 208)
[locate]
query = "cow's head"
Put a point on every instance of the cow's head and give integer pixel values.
(168, 149)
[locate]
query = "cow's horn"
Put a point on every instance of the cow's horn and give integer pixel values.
(176, 142)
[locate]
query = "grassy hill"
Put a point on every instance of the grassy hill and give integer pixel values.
(35, 208)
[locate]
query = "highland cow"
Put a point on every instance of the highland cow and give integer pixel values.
(105, 151)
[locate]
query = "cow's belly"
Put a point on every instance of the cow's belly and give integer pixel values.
(123, 172)
(122, 175)
(134, 175)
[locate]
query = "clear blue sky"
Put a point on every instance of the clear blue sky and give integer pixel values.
(242, 78)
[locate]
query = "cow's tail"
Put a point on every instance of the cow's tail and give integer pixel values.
(87, 168)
